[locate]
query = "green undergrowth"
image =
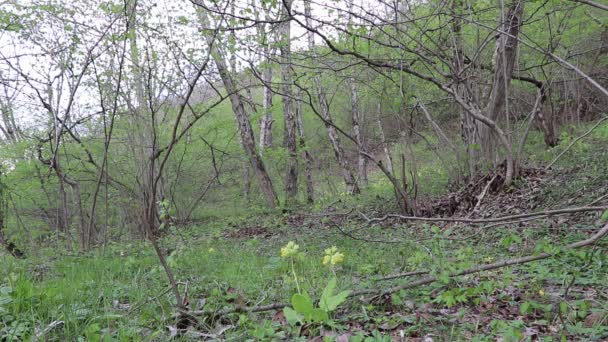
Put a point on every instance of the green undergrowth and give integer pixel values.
(120, 293)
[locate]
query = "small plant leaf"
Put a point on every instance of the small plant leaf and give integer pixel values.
(329, 302)
(302, 304)
(319, 316)
(292, 316)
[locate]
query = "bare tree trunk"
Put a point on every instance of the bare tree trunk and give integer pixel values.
(356, 117)
(265, 37)
(310, 198)
(351, 183)
(505, 57)
(289, 137)
(468, 128)
(266, 121)
(238, 108)
(83, 232)
(385, 147)
(63, 217)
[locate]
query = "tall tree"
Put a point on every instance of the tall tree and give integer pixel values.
(504, 60)
(238, 107)
(349, 180)
(289, 135)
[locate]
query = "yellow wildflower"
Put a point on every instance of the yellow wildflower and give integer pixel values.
(211, 250)
(337, 258)
(541, 292)
(332, 256)
(289, 250)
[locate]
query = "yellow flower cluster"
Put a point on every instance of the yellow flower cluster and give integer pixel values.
(332, 256)
(290, 249)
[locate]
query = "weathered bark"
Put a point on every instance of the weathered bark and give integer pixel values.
(505, 58)
(289, 135)
(357, 121)
(307, 157)
(385, 147)
(351, 183)
(242, 119)
(266, 121)
(468, 128)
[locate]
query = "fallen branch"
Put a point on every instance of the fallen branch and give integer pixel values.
(424, 281)
(488, 220)
(402, 275)
(41, 333)
(483, 194)
(504, 263)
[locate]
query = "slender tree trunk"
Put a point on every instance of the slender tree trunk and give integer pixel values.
(242, 119)
(289, 137)
(385, 147)
(266, 38)
(266, 121)
(356, 115)
(356, 118)
(505, 57)
(351, 183)
(307, 157)
(468, 128)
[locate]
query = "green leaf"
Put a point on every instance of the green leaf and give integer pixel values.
(563, 308)
(302, 304)
(525, 307)
(338, 299)
(319, 316)
(292, 316)
(329, 301)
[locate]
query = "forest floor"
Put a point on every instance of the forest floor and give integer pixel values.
(234, 263)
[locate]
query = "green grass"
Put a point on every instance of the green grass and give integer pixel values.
(121, 293)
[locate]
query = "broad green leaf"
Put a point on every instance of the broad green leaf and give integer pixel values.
(338, 299)
(319, 315)
(328, 291)
(329, 301)
(301, 304)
